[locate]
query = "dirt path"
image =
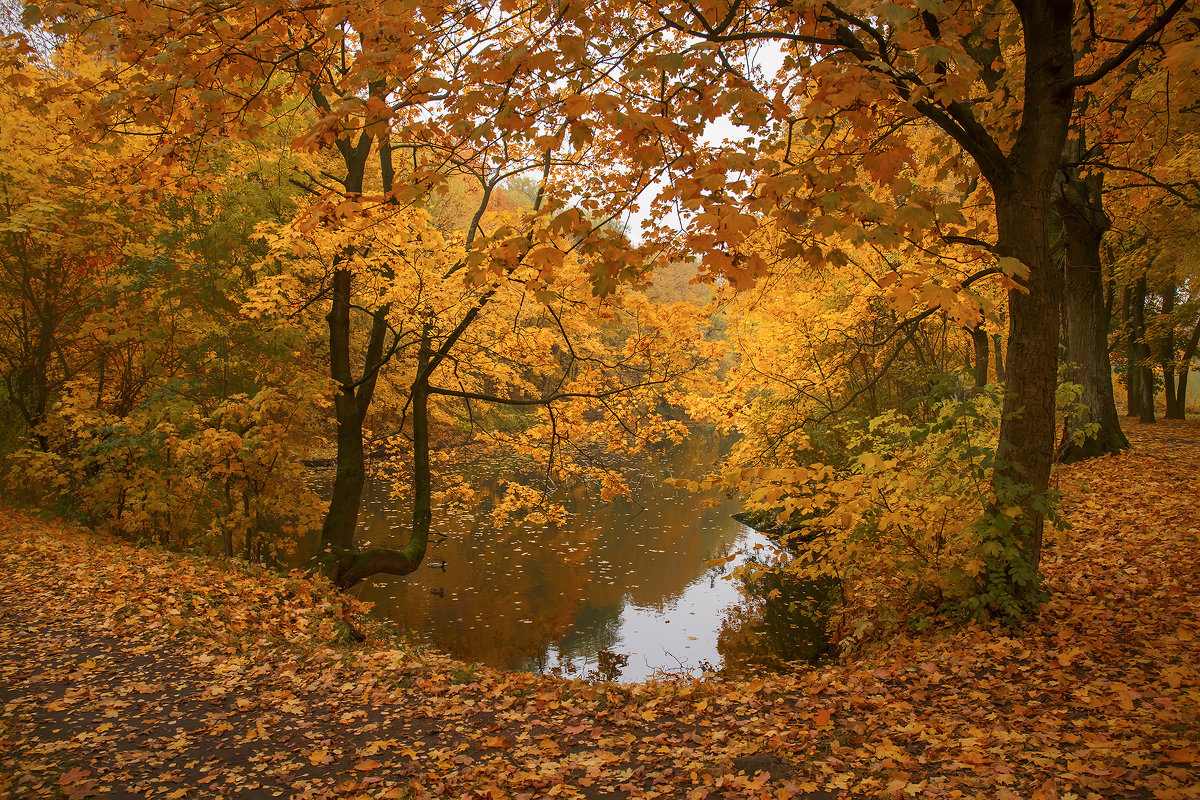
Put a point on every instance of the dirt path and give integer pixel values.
(128, 672)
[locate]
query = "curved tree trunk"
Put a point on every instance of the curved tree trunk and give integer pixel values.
(1079, 205)
(346, 564)
(354, 566)
(341, 520)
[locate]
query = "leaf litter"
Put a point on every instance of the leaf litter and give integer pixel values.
(134, 672)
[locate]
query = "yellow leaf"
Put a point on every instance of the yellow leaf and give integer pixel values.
(546, 258)
(1013, 267)
(872, 462)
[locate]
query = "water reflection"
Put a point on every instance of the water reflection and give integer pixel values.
(620, 591)
(784, 621)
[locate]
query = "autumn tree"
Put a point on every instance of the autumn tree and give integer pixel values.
(400, 102)
(64, 238)
(1122, 143)
(1145, 150)
(162, 410)
(1000, 83)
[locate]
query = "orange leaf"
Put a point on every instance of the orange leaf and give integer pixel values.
(1186, 755)
(73, 775)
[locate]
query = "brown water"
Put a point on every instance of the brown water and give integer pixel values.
(620, 591)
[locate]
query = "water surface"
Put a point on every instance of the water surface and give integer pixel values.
(620, 590)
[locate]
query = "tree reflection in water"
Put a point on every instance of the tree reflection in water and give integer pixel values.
(620, 591)
(783, 621)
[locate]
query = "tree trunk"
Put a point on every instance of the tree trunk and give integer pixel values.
(341, 520)
(1133, 374)
(1147, 384)
(980, 340)
(355, 566)
(1142, 356)
(999, 351)
(227, 528)
(1026, 449)
(1189, 353)
(1166, 355)
(248, 544)
(348, 565)
(1079, 206)
(1023, 189)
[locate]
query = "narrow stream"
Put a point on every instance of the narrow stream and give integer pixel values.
(620, 591)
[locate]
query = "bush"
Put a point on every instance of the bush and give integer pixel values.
(224, 482)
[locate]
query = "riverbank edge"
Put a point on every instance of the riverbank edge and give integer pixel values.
(1098, 697)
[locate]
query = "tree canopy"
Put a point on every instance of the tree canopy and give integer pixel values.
(195, 190)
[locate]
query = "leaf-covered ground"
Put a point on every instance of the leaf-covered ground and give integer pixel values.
(130, 672)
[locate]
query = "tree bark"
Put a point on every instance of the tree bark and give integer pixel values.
(980, 340)
(1023, 192)
(341, 520)
(1189, 353)
(1166, 355)
(1133, 374)
(354, 566)
(999, 351)
(1026, 448)
(346, 563)
(1079, 205)
(1141, 350)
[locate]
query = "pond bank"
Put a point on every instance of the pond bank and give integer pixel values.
(619, 589)
(135, 672)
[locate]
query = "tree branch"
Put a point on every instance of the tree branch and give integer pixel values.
(1109, 64)
(547, 400)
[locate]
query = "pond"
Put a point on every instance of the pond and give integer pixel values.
(620, 591)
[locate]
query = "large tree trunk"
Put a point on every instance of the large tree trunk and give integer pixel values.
(1027, 435)
(1079, 206)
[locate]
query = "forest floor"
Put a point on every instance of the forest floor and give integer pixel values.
(132, 672)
